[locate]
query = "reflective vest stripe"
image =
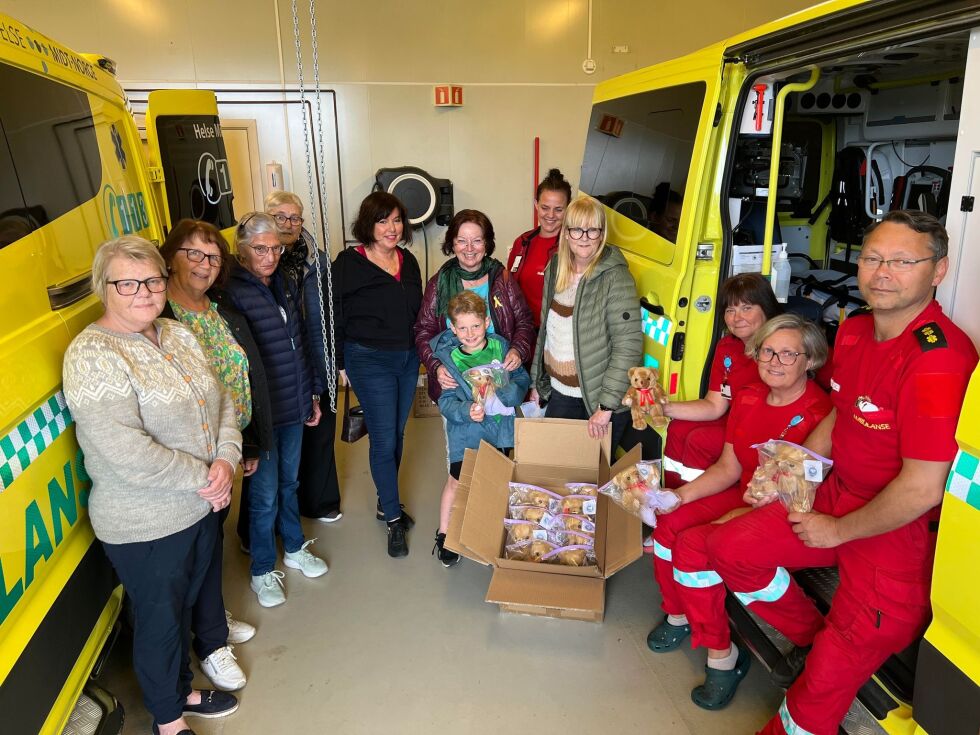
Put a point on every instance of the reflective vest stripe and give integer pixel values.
(771, 592)
(786, 719)
(696, 579)
(662, 551)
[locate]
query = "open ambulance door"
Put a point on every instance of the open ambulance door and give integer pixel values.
(649, 159)
(188, 163)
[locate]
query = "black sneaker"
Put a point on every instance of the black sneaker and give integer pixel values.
(397, 543)
(789, 667)
(409, 521)
(213, 704)
(447, 557)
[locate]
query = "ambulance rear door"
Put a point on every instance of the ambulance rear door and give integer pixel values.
(649, 157)
(188, 163)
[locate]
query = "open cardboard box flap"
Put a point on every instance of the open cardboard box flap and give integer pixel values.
(620, 537)
(557, 442)
(562, 592)
(459, 508)
(480, 535)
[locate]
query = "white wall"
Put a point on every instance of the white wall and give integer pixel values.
(519, 61)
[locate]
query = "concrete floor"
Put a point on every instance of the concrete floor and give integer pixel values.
(406, 646)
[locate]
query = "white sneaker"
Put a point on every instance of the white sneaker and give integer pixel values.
(238, 631)
(269, 589)
(222, 668)
(311, 566)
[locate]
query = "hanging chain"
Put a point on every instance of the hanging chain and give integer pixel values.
(329, 347)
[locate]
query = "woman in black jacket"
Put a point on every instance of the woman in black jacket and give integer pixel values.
(377, 292)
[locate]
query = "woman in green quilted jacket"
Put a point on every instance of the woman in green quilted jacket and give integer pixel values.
(590, 326)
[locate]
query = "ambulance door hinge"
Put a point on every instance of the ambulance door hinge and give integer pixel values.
(717, 116)
(155, 173)
(966, 204)
(677, 347)
(706, 251)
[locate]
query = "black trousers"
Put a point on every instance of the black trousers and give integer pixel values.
(319, 488)
(163, 578)
(561, 406)
(208, 622)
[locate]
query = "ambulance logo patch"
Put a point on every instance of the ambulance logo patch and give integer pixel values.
(930, 337)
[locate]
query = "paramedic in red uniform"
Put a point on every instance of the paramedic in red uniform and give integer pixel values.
(788, 404)
(696, 434)
(531, 251)
(899, 377)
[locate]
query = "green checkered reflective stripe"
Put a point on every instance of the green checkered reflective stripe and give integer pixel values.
(964, 479)
(25, 443)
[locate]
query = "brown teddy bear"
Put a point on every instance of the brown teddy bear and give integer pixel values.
(572, 557)
(646, 398)
(482, 385)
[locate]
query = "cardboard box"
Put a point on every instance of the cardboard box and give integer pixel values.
(424, 407)
(548, 453)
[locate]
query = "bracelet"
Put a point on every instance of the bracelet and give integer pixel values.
(316, 397)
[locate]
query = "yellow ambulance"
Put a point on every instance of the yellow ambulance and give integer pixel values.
(800, 132)
(73, 173)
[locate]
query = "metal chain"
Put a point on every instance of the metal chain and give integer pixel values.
(329, 348)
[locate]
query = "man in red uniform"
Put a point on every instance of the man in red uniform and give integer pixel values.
(899, 378)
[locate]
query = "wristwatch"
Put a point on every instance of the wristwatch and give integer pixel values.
(603, 408)
(316, 397)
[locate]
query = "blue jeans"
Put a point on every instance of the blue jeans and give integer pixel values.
(384, 381)
(272, 499)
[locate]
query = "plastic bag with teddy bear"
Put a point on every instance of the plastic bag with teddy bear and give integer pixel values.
(789, 472)
(484, 381)
(637, 490)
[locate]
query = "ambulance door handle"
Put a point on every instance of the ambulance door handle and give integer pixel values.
(652, 308)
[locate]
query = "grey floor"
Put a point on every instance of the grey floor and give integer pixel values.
(406, 646)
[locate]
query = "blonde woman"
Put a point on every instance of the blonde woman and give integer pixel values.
(590, 326)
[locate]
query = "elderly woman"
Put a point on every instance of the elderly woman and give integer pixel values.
(377, 291)
(319, 489)
(161, 445)
(590, 326)
(470, 240)
(696, 434)
(259, 291)
(787, 404)
(197, 257)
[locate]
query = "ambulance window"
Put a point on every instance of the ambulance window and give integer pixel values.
(638, 152)
(51, 142)
(14, 222)
(195, 168)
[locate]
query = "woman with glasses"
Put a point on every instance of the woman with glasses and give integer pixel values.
(377, 291)
(696, 434)
(198, 260)
(260, 292)
(590, 326)
(319, 488)
(787, 404)
(161, 444)
(470, 240)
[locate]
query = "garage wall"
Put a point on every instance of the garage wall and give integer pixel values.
(520, 62)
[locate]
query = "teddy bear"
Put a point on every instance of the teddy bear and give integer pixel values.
(572, 506)
(572, 557)
(519, 531)
(632, 488)
(646, 398)
(537, 550)
(783, 474)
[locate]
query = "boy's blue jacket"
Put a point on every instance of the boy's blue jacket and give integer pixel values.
(462, 432)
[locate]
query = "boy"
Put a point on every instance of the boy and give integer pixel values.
(482, 404)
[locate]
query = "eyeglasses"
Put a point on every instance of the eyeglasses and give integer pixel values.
(577, 233)
(785, 357)
(476, 242)
(899, 265)
(131, 287)
(263, 250)
(197, 256)
(282, 219)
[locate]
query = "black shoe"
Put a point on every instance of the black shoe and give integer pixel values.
(409, 521)
(156, 731)
(397, 543)
(213, 704)
(789, 667)
(447, 557)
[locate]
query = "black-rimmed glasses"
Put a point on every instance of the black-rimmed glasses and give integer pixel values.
(281, 219)
(131, 286)
(577, 233)
(198, 256)
(784, 357)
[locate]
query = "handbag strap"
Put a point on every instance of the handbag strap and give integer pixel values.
(347, 400)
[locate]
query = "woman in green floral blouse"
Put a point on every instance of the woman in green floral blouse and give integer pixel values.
(198, 259)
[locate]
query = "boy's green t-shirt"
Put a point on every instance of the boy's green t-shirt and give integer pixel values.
(463, 361)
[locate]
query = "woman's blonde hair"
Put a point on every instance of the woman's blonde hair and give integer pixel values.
(813, 339)
(583, 212)
(278, 197)
(128, 246)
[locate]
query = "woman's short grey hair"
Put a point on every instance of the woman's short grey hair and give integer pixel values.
(128, 246)
(279, 197)
(252, 225)
(813, 339)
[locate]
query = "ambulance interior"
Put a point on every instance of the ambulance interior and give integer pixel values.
(897, 108)
(900, 107)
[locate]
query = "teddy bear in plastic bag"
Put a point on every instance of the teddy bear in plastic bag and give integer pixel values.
(637, 491)
(789, 472)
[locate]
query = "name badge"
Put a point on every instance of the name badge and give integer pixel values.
(517, 263)
(834, 385)
(726, 391)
